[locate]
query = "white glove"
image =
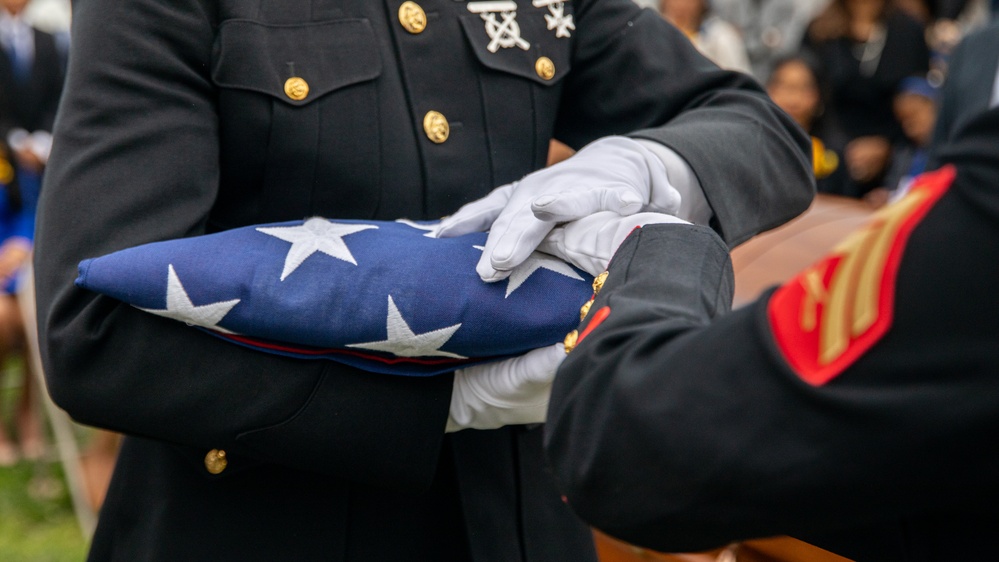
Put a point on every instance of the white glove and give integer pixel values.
(510, 392)
(614, 174)
(590, 242)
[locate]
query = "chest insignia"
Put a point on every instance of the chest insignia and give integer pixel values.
(829, 316)
(503, 31)
(557, 18)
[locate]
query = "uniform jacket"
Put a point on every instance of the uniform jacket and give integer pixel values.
(31, 105)
(677, 425)
(181, 118)
(971, 79)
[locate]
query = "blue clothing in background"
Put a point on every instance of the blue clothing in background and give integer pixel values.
(19, 221)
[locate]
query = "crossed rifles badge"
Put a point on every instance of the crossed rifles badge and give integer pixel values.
(502, 27)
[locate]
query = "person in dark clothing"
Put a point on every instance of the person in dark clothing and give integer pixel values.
(188, 117)
(866, 49)
(854, 407)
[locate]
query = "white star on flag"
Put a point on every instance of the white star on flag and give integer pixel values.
(180, 307)
(315, 235)
(402, 342)
(537, 261)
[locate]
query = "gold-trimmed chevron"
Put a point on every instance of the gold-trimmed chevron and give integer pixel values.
(832, 313)
(854, 291)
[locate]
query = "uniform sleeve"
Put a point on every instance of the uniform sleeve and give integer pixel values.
(953, 92)
(752, 160)
(135, 160)
(56, 79)
(676, 426)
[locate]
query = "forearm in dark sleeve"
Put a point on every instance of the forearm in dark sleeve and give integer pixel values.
(752, 160)
(680, 430)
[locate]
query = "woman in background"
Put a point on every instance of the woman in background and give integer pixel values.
(867, 49)
(796, 85)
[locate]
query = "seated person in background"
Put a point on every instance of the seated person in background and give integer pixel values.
(714, 37)
(946, 23)
(867, 49)
(770, 29)
(796, 86)
(916, 110)
(18, 197)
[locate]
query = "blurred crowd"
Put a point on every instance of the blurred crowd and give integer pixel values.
(31, 78)
(861, 76)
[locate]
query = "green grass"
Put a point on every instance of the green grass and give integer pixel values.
(36, 518)
(37, 523)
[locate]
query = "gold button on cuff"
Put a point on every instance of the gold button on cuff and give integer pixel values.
(598, 282)
(570, 341)
(296, 88)
(585, 310)
(215, 461)
(436, 127)
(545, 68)
(412, 17)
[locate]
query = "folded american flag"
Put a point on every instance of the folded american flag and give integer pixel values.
(385, 297)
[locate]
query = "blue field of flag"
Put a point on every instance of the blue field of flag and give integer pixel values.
(386, 297)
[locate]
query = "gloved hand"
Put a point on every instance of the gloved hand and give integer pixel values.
(590, 242)
(510, 392)
(615, 174)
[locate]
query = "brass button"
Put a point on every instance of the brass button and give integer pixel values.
(570, 340)
(585, 310)
(215, 461)
(296, 88)
(598, 282)
(412, 17)
(436, 127)
(545, 68)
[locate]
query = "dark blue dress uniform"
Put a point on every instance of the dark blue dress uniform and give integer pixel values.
(855, 407)
(29, 101)
(194, 116)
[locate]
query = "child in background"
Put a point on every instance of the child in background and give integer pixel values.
(915, 107)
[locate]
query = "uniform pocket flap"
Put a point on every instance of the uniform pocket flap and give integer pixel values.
(295, 63)
(524, 47)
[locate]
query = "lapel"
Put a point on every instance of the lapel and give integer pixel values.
(981, 68)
